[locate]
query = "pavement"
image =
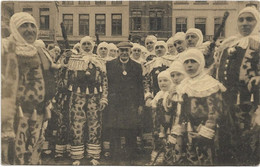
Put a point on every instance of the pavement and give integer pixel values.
(142, 158)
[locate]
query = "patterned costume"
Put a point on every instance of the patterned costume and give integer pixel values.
(203, 110)
(162, 118)
(175, 153)
(87, 82)
(239, 63)
(32, 95)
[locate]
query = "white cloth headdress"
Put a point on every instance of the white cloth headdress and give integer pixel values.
(22, 47)
(198, 33)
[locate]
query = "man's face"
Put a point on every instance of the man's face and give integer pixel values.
(136, 53)
(124, 53)
(86, 46)
(150, 45)
(28, 31)
(160, 50)
(191, 67)
(171, 49)
(191, 39)
(103, 51)
(180, 45)
(246, 23)
(57, 52)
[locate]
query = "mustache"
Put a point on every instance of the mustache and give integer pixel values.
(29, 33)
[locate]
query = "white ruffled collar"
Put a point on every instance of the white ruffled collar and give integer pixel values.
(202, 85)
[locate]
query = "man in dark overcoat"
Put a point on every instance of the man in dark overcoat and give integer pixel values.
(125, 99)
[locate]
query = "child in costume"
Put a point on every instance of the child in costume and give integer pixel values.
(161, 118)
(203, 109)
(175, 143)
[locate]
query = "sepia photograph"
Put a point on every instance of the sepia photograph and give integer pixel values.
(130, 83)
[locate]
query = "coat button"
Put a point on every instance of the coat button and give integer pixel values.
(225, 72)
(227, 61)
(225, 78)
(226, 65)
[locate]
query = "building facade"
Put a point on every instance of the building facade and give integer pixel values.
(43, 12)
(150, 17)
(207, 16)
(108, 19)
(116, 20)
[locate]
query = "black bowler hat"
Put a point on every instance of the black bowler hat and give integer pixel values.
(124, 45)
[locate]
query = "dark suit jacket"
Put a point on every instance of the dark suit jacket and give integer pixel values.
(125, 94)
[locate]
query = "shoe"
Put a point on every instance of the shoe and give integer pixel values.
(76, 163)
(94, 162)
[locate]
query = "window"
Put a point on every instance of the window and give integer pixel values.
(28, 10)
(84, 2)
(200, 23)
(116, 2)
(217, 23)
(136, 20)
(181, 24)
(200, 1)
(67, 2)
(180, 2)
(156, 18)
(68, 23)
(116, 24)
(220, 2)
(100, 2)
(83, 24)
(44, 18)
(101, 24)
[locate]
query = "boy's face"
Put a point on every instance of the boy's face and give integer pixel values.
(103, 51)
(160, 50)
(164, 83)
(191, 67)
(171, 48)
(180, 45)
(177, 77)
(86, 46)
(150, 45)
(112, 53)
(136, 53)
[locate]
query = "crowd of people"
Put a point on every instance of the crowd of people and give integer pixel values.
(79, 104)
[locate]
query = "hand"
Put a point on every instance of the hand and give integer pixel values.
(253, 44)
(195, 135)
(148, 103)
(102, 106)
(140, 110)
(257, 82)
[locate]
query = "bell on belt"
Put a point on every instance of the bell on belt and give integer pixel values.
(87, 73)
(90, 66)
(124, 72)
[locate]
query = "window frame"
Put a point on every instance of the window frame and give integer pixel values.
(155, 20)
(205, 27)
(182, 29)
(82, 32)
(46, 17)
(63, 16)
(96, 28)
(116, 29)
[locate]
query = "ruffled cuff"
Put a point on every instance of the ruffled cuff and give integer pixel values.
(206, 132)
(177, 130)
(172, 139)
